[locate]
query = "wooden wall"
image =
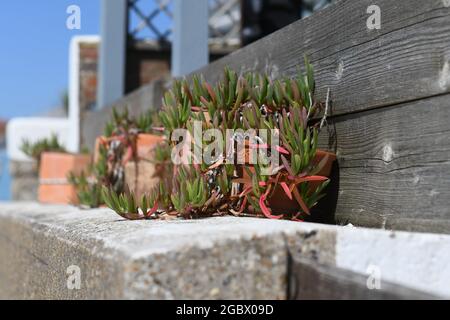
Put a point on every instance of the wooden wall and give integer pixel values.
(391, 105)
(390, 91)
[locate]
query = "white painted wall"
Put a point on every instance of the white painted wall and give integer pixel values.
(416, 260)
(34, 129)
(74, 89)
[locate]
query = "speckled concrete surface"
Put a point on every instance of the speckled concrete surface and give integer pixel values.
(220, 258)
(217, 258)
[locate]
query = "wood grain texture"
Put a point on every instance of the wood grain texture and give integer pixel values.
(312, 281)
(407, 59)
(394, 166)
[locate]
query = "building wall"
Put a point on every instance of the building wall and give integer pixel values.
(2, 133)
(145, 65)
(24, 174)
(88, 75)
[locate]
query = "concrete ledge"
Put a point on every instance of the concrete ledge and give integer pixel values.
(24, 180)
(219, 258)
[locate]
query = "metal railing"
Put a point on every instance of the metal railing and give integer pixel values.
(152, 20)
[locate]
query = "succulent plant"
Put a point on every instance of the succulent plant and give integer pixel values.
(88, 184)
(287, 105)
(116, 148)
(190, 192)
(119, 123)
(176, 107)
(249, 101)
(260, 188)
(127, 206)
(162, 153)
(35, 150)
(298, 139)
(88, 192)
(122, 123)
(120, 144)
(145, 122)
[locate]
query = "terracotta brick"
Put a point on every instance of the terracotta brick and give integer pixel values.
(57, 194)
(141, 177)
(54, 169)
(59, 165)
(146, 143)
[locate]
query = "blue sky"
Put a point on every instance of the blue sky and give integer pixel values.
(34, 52)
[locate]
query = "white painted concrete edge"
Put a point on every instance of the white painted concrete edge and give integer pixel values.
(74, 88)
(418, 260)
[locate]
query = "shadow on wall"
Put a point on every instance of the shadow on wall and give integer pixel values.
(325, 211)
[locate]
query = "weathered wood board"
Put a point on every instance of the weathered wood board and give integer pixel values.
(407, 59)
(394, 165)
(391, 136)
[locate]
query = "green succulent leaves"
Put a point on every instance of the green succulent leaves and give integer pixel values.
(247, 101)
(36, 149)
(191, 190)
(126, 205)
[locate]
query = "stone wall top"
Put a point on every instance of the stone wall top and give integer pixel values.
(223, 257)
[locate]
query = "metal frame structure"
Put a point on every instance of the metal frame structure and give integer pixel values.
(195, 35)
(224, 22)
(147, 20)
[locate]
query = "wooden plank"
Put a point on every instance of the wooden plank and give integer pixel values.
(393, 166)
(407, 59)
(309, 280)
(145, 98)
